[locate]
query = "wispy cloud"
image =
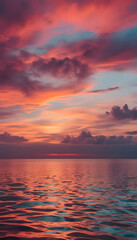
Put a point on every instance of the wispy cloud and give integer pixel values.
(103, 90)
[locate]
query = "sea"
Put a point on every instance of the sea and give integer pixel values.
(68, 199)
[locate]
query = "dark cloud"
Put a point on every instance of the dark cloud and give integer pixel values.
(15, 73)
(12, 77)
(6, 137)
(6, 47)
(109, 47)
(67, 67)
(104, 90)
(17, 13)
(121, 45)
(87, 138)
(26, 55)
(123, 113)
(132, 132)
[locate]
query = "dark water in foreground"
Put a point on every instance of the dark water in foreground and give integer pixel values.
(68, 199)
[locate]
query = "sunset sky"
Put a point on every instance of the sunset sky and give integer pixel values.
(68, 78)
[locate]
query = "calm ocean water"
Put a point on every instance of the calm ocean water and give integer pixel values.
(68, 199)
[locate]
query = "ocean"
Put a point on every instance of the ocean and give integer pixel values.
(74, 199)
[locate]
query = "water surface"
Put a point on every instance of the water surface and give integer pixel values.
(68, 199)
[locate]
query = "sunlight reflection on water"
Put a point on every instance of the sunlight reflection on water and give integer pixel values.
(68, 199)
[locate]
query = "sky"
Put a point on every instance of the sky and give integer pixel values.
(68, 78)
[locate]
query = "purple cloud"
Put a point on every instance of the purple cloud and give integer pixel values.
(123, 113)
(7, 138)
(87, 138)
(132, 132)
(67, 67)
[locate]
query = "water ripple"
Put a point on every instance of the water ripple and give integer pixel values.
(68, 200)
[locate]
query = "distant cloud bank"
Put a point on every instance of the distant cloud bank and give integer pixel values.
(132, 132)
(7, 137)
(87, 138)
